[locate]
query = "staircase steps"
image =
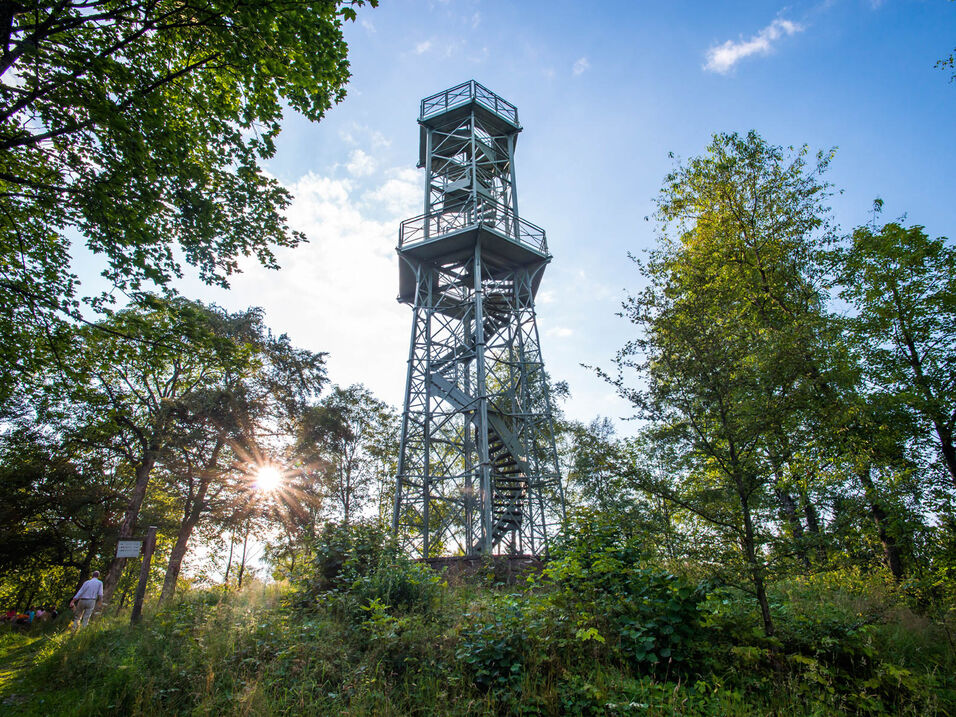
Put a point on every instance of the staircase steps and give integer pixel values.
(497, 309)
(509, 470)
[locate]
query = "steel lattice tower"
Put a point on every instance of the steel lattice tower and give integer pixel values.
(477, 469)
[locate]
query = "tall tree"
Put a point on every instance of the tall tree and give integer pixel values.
(343, 437)
(902, 285)
(129, 383)
(232, 430)
(141, 127)
(731, 322)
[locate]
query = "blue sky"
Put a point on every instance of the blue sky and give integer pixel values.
(604, 92)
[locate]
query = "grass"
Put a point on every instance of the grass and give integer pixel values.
(253, 653)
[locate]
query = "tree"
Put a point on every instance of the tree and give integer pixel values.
(902, 285)
(199, 465)
(615, 480)
(343, 438)
(231, 432)
(56, 516)
(141, 127)
(731, 322)
(128, 395)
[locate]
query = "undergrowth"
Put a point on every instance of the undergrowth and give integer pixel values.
(364, 631)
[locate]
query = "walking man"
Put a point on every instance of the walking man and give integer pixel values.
(85, 600)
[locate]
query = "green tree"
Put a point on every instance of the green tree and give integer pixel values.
(343, 436)
(731, 322)
(56, 519)
(232, 430)
(140, 127)
(902, 285)
(129, 395)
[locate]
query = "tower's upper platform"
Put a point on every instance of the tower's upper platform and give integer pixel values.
(467, 148)
(448, 108)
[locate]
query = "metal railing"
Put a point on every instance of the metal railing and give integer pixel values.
(465, 93)
(486, 212)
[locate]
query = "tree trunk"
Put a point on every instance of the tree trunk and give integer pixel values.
(112, 578)
(788, 507)
(940, 422)
(813, 525)
(242, 563)
(344, 487)
(232, 542)
(755, 568)
(891, 551)
(947, 448)
(756, 574)
(179, 549)
(190, 520)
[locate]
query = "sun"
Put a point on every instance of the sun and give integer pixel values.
(268, 478)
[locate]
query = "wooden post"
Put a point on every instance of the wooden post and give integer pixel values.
(242, 565)
(143, 575)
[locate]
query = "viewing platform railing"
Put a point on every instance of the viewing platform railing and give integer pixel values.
(465, 93)
(486, 212)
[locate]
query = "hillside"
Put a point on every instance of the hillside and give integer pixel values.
(598, 633)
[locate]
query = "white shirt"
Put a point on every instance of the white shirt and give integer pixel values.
(92, 589)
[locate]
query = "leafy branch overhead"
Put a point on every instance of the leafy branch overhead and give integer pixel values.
(140, 128)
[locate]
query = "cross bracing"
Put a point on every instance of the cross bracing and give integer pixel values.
(478, 470)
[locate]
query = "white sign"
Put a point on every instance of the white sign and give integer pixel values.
(128, 548)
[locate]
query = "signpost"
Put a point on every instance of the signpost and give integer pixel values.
(128, 548)
(143, 575)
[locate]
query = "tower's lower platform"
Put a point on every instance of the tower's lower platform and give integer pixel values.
(507, 242)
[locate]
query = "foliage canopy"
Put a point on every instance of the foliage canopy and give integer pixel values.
(138, 129)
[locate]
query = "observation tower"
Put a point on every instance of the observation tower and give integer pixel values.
(477, 468)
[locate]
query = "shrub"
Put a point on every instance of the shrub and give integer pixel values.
(600, 579)
(355, 566)
(340, 553)
(494, 645)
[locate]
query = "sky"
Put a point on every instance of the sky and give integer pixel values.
(605, 91)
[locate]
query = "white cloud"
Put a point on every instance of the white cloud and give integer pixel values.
(722, 58)
(402, 194)
(337, 292)
(360, 164)
(560, 332)
(475, 20)
(423, 47)
(369, 27)
(358, 134)
(580, 66)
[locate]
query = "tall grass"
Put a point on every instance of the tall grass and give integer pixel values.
(482, 650)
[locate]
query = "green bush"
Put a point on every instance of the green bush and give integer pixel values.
(836, 648)
(494, 645)
(480, 652)
(338, 555)
(599, 577)
(355, 566)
